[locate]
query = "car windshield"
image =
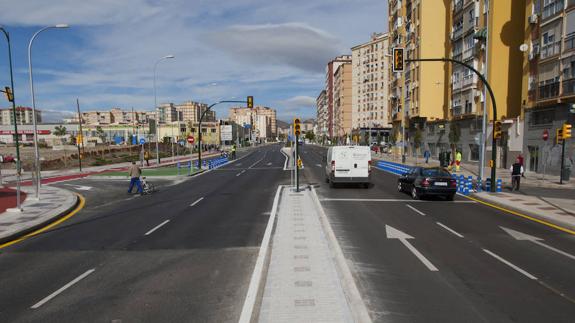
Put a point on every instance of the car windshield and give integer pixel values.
(434, 172)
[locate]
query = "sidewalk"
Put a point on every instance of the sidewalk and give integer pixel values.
(54, 204)
(306, 279)
(543, 200)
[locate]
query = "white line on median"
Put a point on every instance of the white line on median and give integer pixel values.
(449, 229)
(256, 279)
(156, 227)
(414, 209)
(197, 201)
(63, 288)
(510, 264)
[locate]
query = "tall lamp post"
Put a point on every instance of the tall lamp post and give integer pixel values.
(18, 163)
(156, 107)
(34, 121)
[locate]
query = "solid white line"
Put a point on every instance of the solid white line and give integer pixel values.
(63, 288)
(554, 249)
(287, 158)
(449, 229)
(421, 257)
(156, 228)
(256, 279)
(197, 201)
(510, 264)
(414, 209)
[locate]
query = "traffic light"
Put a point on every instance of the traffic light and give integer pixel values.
(497, 130)
(398, 60)
(296, 126)
(566, 131)
(250, 102)
(9, 94)
(558, 135)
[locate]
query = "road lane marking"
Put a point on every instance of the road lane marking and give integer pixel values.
(256, 279)
(449, 229)
(554, 226)
(63, 288)
(286, 159)
(239, 164)
(80, 187)
(528, 275)
(318, 165)
(197, 201)
(238, 174)
(523, 236)
(81, 203)
(156, 228)
(388, 200)
(269, 164)
(414, 209)
(256, 162)
(393, 233)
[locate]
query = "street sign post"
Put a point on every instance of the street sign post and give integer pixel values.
(545, 135)
(191, 139)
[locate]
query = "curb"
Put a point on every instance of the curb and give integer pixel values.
(550, 222)
(27, 231)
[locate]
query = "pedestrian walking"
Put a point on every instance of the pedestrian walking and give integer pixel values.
(516, 171)
(147, 157)
(135, 172)
(233, 151)
(520, 159)
(426, 155)
(457, 160)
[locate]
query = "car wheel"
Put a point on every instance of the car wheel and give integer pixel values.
(399, 187)
(331, 184)
(366, 185)
(450, 197)
(327, 180)
(414, 194)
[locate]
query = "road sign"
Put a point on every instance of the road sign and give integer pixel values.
(191, 139)
(545, 134)
(226, 132)
(142, 141)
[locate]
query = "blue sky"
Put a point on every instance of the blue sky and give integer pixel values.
(273, 50)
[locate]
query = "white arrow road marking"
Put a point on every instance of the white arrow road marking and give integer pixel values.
(80, 187)
(414, 209)
(156, 228)
(525, 237)
(393, 233)
(510, 265)
(63, 288)
(197, 201)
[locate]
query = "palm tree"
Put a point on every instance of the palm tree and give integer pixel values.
(60, 131)
(102, 135)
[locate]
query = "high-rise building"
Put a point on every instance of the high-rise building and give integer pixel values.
(23, 116)
(322, 114)
(266, 127)
(167, 113)
(342, 106)
(329, 89)
(191, 111)
(370, 73)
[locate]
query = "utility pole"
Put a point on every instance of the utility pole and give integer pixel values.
(80, 136)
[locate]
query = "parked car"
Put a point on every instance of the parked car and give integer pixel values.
(427, 181)
(348, 164)
(7, 159)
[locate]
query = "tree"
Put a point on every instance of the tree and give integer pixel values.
(309, 135)
(102, 135)
(60, 131)
(454, 136)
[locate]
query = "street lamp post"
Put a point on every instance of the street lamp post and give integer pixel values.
(34, 121)
(18, 163)
(156, 107)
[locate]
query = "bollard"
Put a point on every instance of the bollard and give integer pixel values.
(488, 185)
(470, 183)
(203, 164)
(466, 185)
(479, 185)
(461, 183)
(499, 184)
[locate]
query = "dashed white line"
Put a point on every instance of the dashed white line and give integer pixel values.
(387, 200)
(449, 229)
(197, 201)
(156, 228)
(414, 209)
(63, 288)
(238, 174)
(510, 265)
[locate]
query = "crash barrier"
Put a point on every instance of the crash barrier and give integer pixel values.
(217, 162)
(394, 168)
(212, 163)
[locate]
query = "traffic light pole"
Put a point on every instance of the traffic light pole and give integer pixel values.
(296, 163)
(494, 139)
(562, 162)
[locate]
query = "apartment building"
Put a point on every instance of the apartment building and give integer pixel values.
(191, 111)
(262, 119)
(370, 72)
(330, 70)
(24, 116)
(548, 94)
(322, 114)
(342, 104)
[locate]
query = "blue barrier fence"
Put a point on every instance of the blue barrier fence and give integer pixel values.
(212, 163)
(395, 168)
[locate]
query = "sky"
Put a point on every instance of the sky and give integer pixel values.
(275, 50)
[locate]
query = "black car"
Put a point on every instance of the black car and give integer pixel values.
(422, 181)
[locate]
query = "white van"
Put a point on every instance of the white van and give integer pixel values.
(348, 164)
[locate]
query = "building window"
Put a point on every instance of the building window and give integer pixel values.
(474, 152)
(541, 118)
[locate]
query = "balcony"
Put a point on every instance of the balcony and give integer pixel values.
(468, 80)
(548, 91)
(550, 49)
(552, 9)
(456, 110)
(569, 87)
(467, 53)
(458, 5)
(456, 33)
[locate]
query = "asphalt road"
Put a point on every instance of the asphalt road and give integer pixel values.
(183, 254)
(468, 269)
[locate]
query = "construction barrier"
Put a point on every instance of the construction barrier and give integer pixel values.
(394, 168)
